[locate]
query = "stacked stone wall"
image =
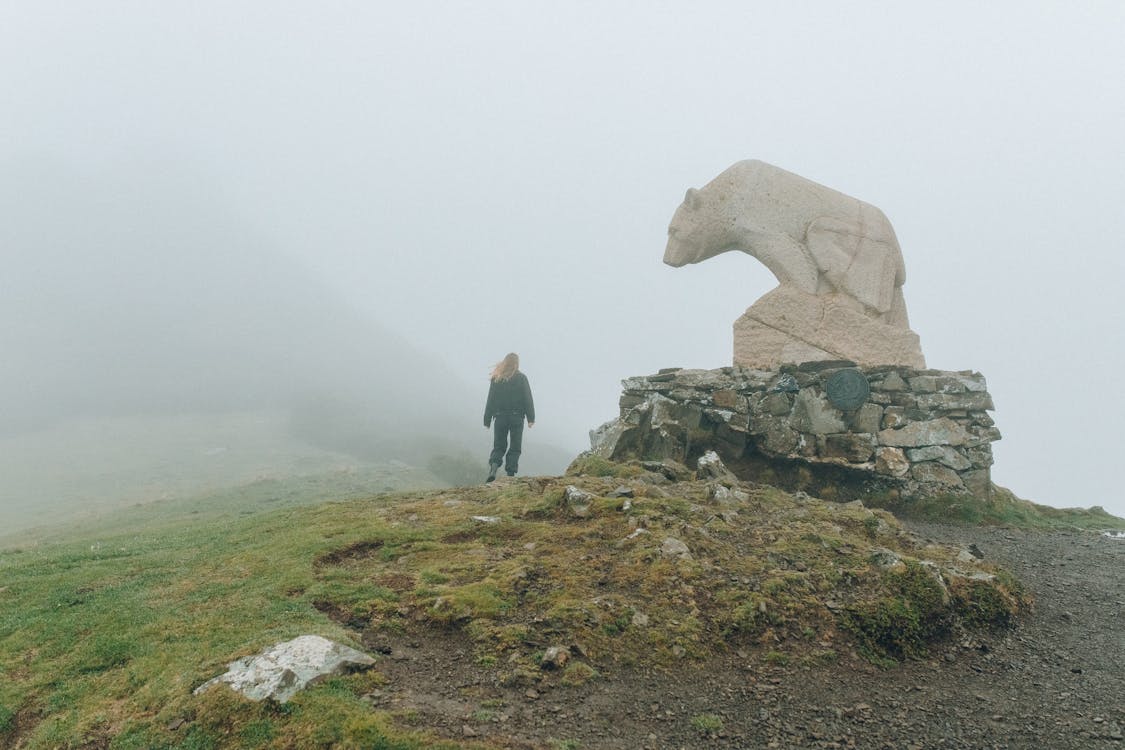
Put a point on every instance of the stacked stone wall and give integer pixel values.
(918, 431)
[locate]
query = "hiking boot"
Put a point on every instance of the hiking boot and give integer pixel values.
(492, 469)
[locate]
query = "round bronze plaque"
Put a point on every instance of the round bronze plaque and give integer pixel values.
(847, 389)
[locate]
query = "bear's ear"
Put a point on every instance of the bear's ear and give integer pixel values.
(691, 199)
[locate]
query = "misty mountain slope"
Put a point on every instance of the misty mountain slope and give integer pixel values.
(82, 470)
(138, 308)
(145, 294)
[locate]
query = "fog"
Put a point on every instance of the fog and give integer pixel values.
(345, 213)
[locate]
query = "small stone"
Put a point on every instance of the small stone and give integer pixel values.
(936, 473)
(486, 519)
(640, 620)
(893, 382)
(943, 454)
(942, 431)
(885, 558)
(813, 413)
(673, 547)
(776, 404)
(868, 418)
(725, 398)
(894, 417)
(710, 466)
(784, 384)
(850, 446)
(577, 501)
(555, 657)
(623, 491)
(575, 496)
(891, 461)
(468, 731)
(175, 724)
(718, 493)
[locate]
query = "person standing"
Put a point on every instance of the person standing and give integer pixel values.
(509, 402)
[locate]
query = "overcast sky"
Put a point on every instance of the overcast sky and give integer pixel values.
(483, 177)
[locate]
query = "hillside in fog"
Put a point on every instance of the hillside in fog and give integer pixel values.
(145, 294)
(145, 297)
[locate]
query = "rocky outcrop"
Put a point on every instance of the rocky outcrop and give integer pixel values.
(819, 425)
(281, 671)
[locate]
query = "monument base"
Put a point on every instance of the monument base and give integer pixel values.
(909, 433)
(788, 325)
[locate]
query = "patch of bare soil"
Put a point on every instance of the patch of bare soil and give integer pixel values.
(1056, 681)
(351, 554)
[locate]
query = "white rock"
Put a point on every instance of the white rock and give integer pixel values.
(486, 519)
(575, 496)
(282, 670)
(710, 466)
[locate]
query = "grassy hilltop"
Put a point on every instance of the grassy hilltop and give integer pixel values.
(104, 633)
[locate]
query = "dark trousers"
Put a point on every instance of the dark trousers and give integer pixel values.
(503, 427)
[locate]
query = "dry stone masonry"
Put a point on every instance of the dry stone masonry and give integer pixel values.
(823, 425)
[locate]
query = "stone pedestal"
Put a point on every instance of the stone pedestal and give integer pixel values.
(788, 325)
(914, 433)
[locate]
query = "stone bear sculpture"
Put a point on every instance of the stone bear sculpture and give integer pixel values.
(836, 258)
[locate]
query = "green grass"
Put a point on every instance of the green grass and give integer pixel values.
(106, 635)
(707, 723)
(106, 630)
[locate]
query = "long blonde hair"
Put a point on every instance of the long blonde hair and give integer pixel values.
(506, 368)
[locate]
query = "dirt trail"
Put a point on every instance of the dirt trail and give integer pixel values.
(1056, 682)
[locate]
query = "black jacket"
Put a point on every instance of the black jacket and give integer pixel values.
(511, 396)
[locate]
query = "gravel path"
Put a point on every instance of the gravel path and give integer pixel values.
(1057, 682)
